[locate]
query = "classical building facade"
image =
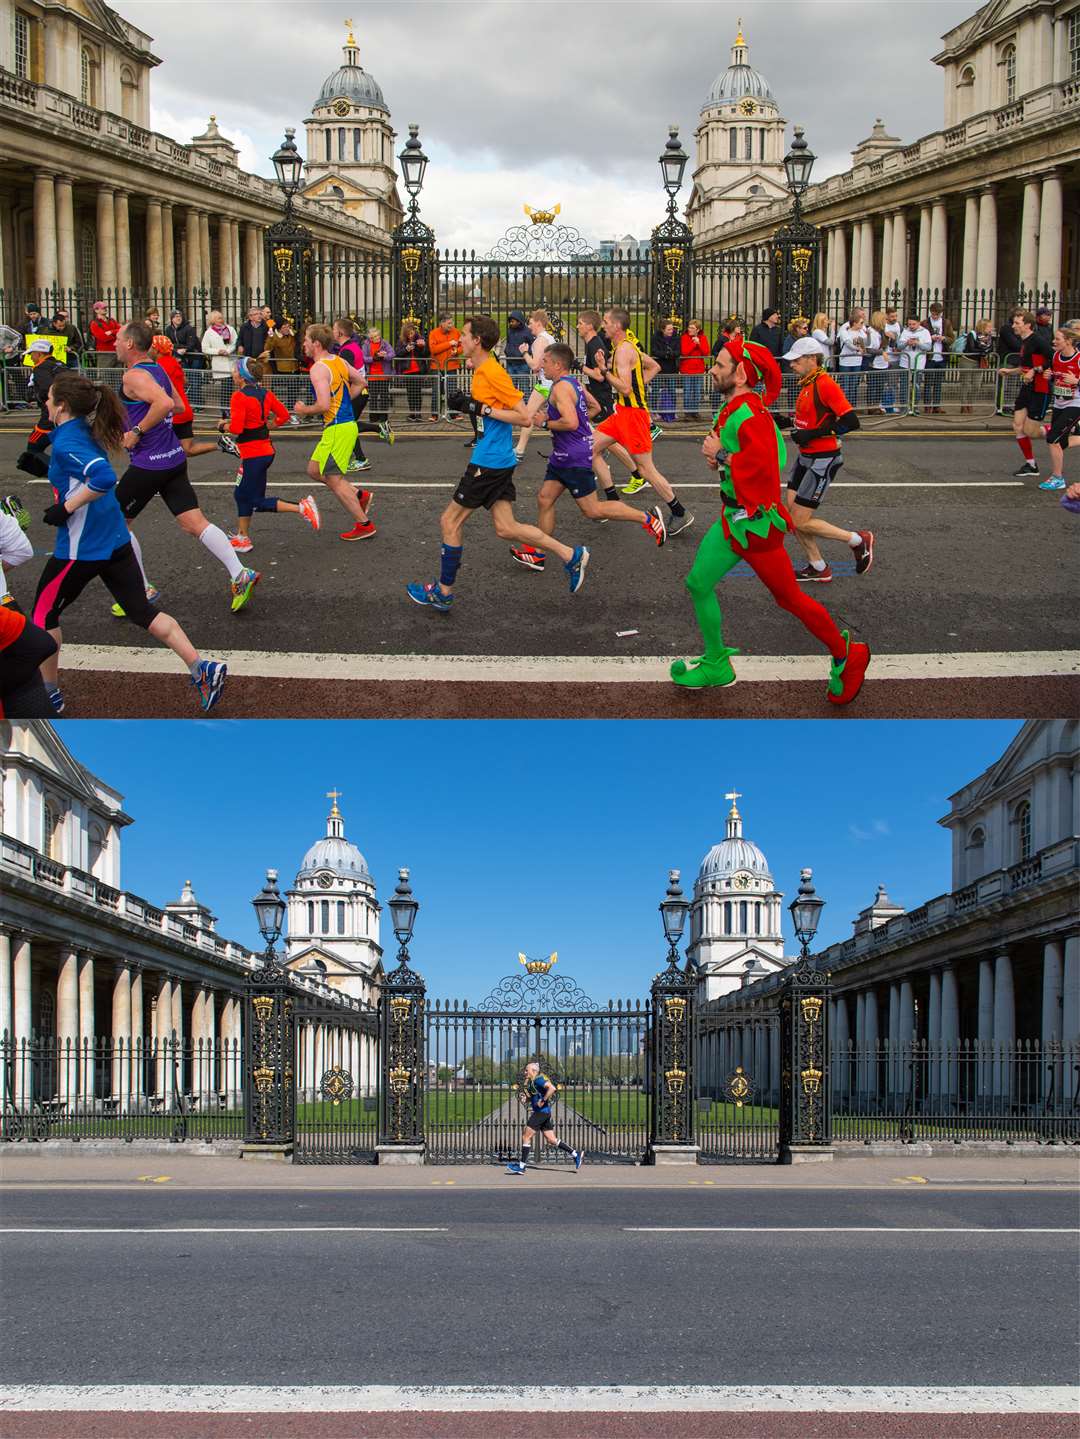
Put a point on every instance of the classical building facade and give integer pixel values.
(740, 146)
(988, 203)
(736, 920)
(92, 201)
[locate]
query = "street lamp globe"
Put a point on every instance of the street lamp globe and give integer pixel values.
(798, 162)
(270, 910)
(403, 908)
(413, 162)
(288, 165)
(673, 908)
(806, 910)
(673, 160)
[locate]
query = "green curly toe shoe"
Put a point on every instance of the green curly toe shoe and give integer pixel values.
(703, 673)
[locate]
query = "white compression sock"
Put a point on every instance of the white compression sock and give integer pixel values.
(138, 558)
(217, 542)
(854, 540)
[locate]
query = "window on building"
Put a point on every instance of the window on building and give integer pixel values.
(22, 45)
(742, 917)
(129, 95)
(95, 847)
(967, 77)
(341, 144)
(88, 256)
(90, 71)
(761, 144)
(311, 918)
(356, 144)
(748, 144)
(53, 829)
(327, 138)
(1022, 820)
(1072, 44)
(1008, 64)
(727, 916)
(733, 144)
(325, 916)
(341, 916)
(977, 838)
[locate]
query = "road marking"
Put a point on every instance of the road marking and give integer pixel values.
(615, 1398)
(567, 669)
(154, 1178)
(824, 1229)
(261, 1229)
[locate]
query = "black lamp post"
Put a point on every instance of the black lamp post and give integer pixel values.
(672, 242)
(805, 911)
(798, 162)
(403, 910)
(673, 160)
(270, 914)
(796, 246)
(414, 165)
(414, 245)
(289, 168)
(674, 908)
(401, 1028)
(671, 1053)
(288, 243)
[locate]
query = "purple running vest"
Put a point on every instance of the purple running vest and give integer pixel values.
(158, 449)
(571, 449)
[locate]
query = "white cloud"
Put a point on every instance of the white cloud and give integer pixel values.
(184, 127)
(877, 829)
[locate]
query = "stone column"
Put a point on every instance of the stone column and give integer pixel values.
(234, 240)
(1050, 222)
(860, 1045)
(325, 285)
(894, 1038)
(155, 260)
(1053, 955)
(106, 239)
(6, 1031)
(1070, 992)
(309, 1060)
(907, 1035)
(971, 256)
(121, 1036)
(205, 270)
(44, 232)
(178, 1031)
(950, 1036)
(886, 257)
(21, 1016)
(251, 262)
(168, 255)
(1004, 1027)
(162, 1034)
(192, 263)
(986, 258)
(899, 251)
(933, 1027)
(922, 277)
(830, 258)
(138, 1041)
(67, 1027)
(866, 256)
(1028, 275)
(225, 268)
(66, 274)
(198, 1041)
(873, 1080)
(939, 248)
(985, 1029)
(123, 251)
(841, 1080)
(856, 261)
(87, 1030)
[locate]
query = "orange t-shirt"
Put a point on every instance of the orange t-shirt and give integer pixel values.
(818, 397)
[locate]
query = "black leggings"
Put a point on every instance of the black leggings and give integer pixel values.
(363, 427)
(63, 581)
(22, 690)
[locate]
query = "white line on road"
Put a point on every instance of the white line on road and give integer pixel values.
(259, 1229)
(827, 1229)
(568, 669)
(611, 1399)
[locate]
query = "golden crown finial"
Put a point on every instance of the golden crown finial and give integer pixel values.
(334, 795)
(739, 38)
(539, 966)
(352, 37)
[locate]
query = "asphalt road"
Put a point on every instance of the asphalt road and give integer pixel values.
(515, 1289)
(969, 562)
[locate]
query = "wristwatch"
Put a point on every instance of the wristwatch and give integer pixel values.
(137, 430)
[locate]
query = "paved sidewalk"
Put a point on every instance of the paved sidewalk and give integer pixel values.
(34, 1168)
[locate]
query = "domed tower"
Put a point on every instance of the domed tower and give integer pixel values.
(350, 145)
(332, 930)
(735, 917)
(740, 145)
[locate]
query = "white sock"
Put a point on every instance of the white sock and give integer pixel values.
(819, 565)
(217, 542)
(854, 540)
(138, 558)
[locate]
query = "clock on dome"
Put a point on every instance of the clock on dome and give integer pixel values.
(324, 880)
(341, 107)
(747, 107)
(742, 880)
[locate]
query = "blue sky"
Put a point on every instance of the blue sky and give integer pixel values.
(537, 836)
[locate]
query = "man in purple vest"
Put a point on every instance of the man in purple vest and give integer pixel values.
(569, 410)
(158, 465)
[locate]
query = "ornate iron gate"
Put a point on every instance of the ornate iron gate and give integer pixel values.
(738, 1081)
(597, 1057)
(336, 1104)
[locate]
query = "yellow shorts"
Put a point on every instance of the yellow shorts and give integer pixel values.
(336, 443)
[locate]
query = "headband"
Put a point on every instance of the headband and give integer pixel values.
(759, 364)
(242, 366)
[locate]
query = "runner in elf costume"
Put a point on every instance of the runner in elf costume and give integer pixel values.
(746, 448)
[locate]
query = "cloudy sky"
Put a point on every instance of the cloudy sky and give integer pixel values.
(523, 102)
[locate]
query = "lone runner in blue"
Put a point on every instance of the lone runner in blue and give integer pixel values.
(538, 1095)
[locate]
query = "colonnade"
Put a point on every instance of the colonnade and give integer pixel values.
(322, 1045)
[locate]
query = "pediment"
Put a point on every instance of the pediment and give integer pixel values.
(317, 189)
(55, 756)
(336, 964)
(736, 963)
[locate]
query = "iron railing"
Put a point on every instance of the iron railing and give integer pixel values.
(737, 1085)
(83, 1089)
(970, 1090)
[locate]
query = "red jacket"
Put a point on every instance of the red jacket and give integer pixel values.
(695, 351)
(251, 412)
(105, 333)
(171, 366)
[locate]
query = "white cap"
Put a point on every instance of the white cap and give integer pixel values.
(38, 347)
(805, 346)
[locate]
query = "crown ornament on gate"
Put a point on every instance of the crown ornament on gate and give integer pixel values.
(542, 217)
(539, 966)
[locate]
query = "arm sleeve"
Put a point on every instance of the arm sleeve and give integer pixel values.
(276, 408)
(97, 473)
(15, 547)
(833, 396)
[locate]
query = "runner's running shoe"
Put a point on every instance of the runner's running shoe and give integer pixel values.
(386, 433)
(528, 557)
(357, 467)
(294, 420)
(1055, 482)
(13, 506)
(242, 588)
(209, 682)
(655, 431)
(241, 543)
(864, 555)
(515, 1167)
(635, 483)
(808, 575)
(575, 568)
(153, 594)
(430, 595)
(359, 531)
(654, 524)
(1029, 467)
(309, 511)
(56, 699)
(678, 523)
(579, 1155)
(846, 675)
(228, 445)
(702, 674)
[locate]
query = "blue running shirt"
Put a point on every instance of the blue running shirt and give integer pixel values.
(97, 529)
(491, 385)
